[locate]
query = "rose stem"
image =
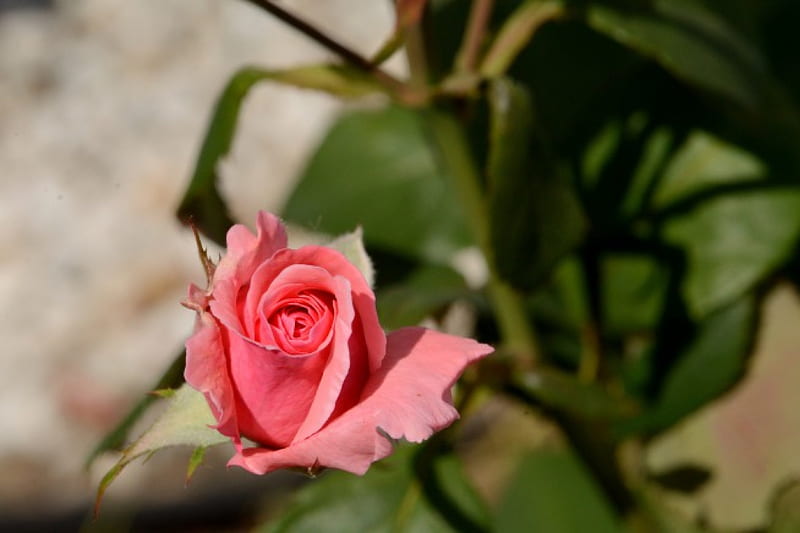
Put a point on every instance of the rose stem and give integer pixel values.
(473, 37)
(349, 56)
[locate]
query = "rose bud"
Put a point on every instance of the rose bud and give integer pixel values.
(290, 355)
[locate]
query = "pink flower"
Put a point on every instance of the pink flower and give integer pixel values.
(289, 354)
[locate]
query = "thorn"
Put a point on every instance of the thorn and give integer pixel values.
(208, 264)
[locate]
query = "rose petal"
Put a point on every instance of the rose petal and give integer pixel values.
(304, 394)
(206, 371)
(336, 265)
(274, 391)
(407, 398)
(247, 251)
(197, 299)
(224, 305)
(338, 366)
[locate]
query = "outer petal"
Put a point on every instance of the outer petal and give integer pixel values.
(409, 397)
(273, 391)
(246, 251)
(207, 371)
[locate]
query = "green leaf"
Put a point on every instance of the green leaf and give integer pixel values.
(568, 394)
(553, 492)
(429, 290)
(634, 292)
(689, 41)
(376, 169)
(202, 204)
(560, 310)
(195, 460)
(185, 421)
(712, 363)
(705, 162)
(117, 437)
(387, 499)
(734, 241)
(535, 215)
(351, 245)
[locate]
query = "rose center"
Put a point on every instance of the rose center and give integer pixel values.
(295, 319)
(301, 324)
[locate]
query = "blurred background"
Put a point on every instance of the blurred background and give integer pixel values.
(103, 104)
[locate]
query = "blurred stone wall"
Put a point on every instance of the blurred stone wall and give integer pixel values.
(103, 104)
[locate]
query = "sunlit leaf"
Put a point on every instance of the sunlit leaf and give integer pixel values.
(185, 421)
(351, 245)
(117, 437)
(734, 241)
(702, 163)
(376, 169)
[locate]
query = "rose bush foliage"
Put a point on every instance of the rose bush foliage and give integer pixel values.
(290, 355)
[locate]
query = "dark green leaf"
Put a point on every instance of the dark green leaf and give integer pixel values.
(376, 169)
(692, 43)
(202, 203)
(634, 289)
(535, 216)
(429, 290)
(710, 365)
(560, 313)
(733, 242)
(566, 393)
(387, 499)
(552, 492)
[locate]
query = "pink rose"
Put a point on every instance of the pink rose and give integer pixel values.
(289, 354)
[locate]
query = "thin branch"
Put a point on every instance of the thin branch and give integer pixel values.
(473, 38)
(349, 56)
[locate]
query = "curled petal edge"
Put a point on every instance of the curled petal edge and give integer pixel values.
(407, 398)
